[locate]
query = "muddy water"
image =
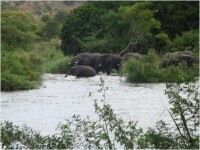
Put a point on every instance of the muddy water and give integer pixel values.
(60, 98)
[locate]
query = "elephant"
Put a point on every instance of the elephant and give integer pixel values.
(185, 58)
(131, 55)
(109, 62)
(88, 59)
(81, 71)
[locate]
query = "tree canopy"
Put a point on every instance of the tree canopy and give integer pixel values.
(110, 26)
(18, 29)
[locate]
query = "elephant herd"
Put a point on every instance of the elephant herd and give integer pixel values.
(89, 64)
(185, 58)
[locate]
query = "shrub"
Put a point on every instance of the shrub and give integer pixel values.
(187, 41)
(147, 70)
(144, 70)
(61, 65)
(13, 82)
(184, 111)
(20, 70)
(177, 74)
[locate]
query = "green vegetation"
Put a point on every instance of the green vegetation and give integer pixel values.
(107, 30)
(30, 46)
(18, 30)
(110, 132)
(187, 41)
(110, 26)
(148, 70)
(31, 31)
(28, 50)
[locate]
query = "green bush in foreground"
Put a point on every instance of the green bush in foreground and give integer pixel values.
(110, 132)
(184, 111)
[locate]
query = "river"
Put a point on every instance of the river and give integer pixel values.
(59, 98)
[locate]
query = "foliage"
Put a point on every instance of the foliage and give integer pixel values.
(187, 41)
(13, 82)
(30, 139)
(148, 70)
(112, 31)
(144, 70)
(177, 16)
(177, 74)
(18, 29)
(61, 65)
(60, 16)
(130, 25)
(184, 111)
(50, 29)
(49, 53)
(80, 23)
(20, 70)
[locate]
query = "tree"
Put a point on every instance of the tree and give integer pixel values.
(18, 29)
(78, 24)
(60, 16)
(176, 17)
(131, 25)
(50, 29)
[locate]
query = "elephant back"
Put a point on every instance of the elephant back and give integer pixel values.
(81, 71)
(183, 57)
(131, 55)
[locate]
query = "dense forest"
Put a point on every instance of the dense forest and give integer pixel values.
(43, 37)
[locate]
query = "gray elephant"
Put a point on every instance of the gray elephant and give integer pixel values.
(185, 58)
(81, 71)
(88, 59)
(109, 62)
(131, 55)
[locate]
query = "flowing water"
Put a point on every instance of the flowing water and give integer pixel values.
(60, 98)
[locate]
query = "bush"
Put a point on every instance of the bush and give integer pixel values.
(20, 70)
(184, 111)
(176, 74)
(144, 70)
(18, 29)
(60, 66)
(27, 66)
(147, 70)
(187, 41)
(13, 82)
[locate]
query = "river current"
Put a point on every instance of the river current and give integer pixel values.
(59, 98)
